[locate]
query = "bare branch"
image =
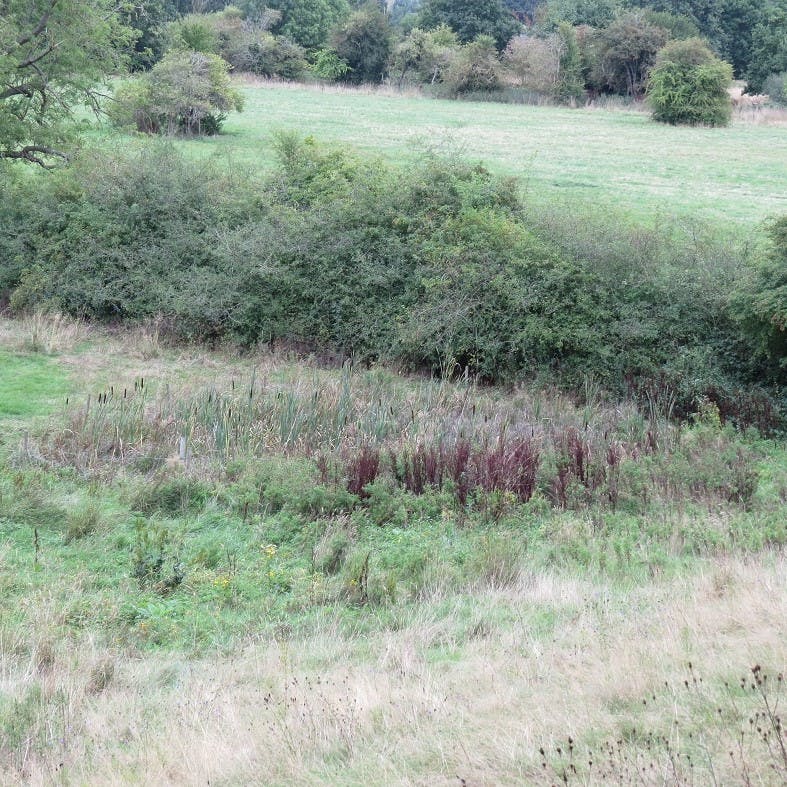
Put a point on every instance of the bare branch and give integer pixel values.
(40, 27)
(33, 154)
(18, 90)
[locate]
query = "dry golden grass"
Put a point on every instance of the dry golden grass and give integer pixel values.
(51, 332)
(332, 88)
(439, 700)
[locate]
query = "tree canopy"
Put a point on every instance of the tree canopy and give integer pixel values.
(309, 22)
(53, 55)
(471, 19)
(364, 42)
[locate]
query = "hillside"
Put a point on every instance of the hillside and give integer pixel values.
(252, 615)
(618, 160)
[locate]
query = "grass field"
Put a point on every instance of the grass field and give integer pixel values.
(236, 619)
(254, 567)
(609, 160)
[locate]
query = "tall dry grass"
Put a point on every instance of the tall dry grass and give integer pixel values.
(46, 331)
(445, 696)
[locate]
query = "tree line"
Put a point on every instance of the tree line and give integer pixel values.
(55, 53)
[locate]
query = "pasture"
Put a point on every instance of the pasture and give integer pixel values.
(614, 161)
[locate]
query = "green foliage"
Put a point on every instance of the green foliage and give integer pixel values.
(195, 33)
(627, 51)
(434, 267)
(776, 87)
(271, 56)
(141, 220)
(173, 496)
(678, 27)
(594, 13)
(688, 85)
(737, 21)
(82, 522)
(156, 562)
(762, 305)
(53, 55)
(534, 63)
(768, 47)
(745, 33)
(364, 42)
(424, 55)
(309, 22)
(474, 68)
(570, 84)
(187, 93)
(149, 21)
(244, 42)
(328, 65)
(470, 19)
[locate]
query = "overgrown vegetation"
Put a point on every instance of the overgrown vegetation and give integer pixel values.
(187, 92)
(341, 470)
(434, 268)
(406, 524)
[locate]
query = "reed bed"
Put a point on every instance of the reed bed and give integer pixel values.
(357, 426)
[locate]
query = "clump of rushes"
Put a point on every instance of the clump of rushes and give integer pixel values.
(359, 425)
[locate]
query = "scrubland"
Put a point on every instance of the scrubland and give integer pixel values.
(251, 615)
(319, 466)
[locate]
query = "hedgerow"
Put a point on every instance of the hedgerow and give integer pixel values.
(434, 267)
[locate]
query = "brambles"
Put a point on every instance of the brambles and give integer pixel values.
(438, 268)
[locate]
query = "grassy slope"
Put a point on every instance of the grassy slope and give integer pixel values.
(500, 638)
(29, 386)
(492, 640)
(617, 160)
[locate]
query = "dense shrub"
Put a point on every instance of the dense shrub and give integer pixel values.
(688, 85)
(776, 87)
(762, 304)
(627, 51)
(424, 56)
(364, 42)
(570, 84)
(474, 68)
(308, 22)
(437, 267)
(244, 42)
(185, 93)
(533, 62)
(128, 236)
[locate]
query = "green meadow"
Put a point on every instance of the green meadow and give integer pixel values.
(613, 160)
(261, 563)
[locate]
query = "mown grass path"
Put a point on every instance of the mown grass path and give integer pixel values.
(30, 385)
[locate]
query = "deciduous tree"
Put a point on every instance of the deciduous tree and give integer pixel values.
(53, 56)
(471, 18)
(364, 42)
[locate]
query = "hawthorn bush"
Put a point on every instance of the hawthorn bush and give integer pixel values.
(688, 85)
(186, 92)
(436, 267)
